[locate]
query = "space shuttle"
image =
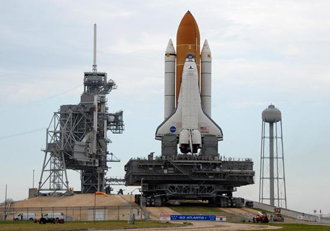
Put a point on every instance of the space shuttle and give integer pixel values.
(187, 94)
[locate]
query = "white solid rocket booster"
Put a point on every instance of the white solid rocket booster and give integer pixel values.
(206, 61)
(169, 91)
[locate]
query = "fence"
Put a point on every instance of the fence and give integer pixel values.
(83, 213)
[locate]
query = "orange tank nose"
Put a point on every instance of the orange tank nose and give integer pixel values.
(187, 41)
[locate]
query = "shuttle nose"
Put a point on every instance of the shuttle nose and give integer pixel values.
(190, 56)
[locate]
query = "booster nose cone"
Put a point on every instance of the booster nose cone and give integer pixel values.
(170, 48)
(188, 41)
(206, 48)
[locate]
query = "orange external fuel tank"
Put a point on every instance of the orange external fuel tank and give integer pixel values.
(187, 41)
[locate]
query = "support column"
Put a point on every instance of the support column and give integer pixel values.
(271, 164)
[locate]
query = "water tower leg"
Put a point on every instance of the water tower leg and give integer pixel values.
(271, 163)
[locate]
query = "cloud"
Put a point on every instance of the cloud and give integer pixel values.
(142, 43)
(46, 83)
(307, 80)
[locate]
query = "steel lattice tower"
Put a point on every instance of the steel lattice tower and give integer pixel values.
(272, 187)
(77, 137)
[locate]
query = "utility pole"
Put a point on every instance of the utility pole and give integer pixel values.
(141, 204)
(6, 204)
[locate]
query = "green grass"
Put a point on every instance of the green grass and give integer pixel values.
(296, 227)
(25, 225)
(22, 225)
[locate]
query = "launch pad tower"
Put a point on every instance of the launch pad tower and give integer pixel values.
(77, 137)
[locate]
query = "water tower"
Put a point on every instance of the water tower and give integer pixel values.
(272, 188)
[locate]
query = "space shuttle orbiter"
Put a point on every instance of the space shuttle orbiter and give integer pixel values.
(187, 109)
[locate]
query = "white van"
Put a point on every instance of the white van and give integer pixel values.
(58, 216)
(25, 217)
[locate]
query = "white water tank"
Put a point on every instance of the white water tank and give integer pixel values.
(271, 114)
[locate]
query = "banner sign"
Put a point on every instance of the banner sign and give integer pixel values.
(192, 217)
(169, 217)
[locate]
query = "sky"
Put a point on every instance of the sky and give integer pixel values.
(263, 52)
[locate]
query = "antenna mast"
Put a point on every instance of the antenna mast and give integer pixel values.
(94, 57)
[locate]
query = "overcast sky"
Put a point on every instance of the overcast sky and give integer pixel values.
(263, 52)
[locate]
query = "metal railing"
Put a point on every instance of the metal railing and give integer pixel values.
(190, 157)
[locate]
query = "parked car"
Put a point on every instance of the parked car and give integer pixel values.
(25, 217)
